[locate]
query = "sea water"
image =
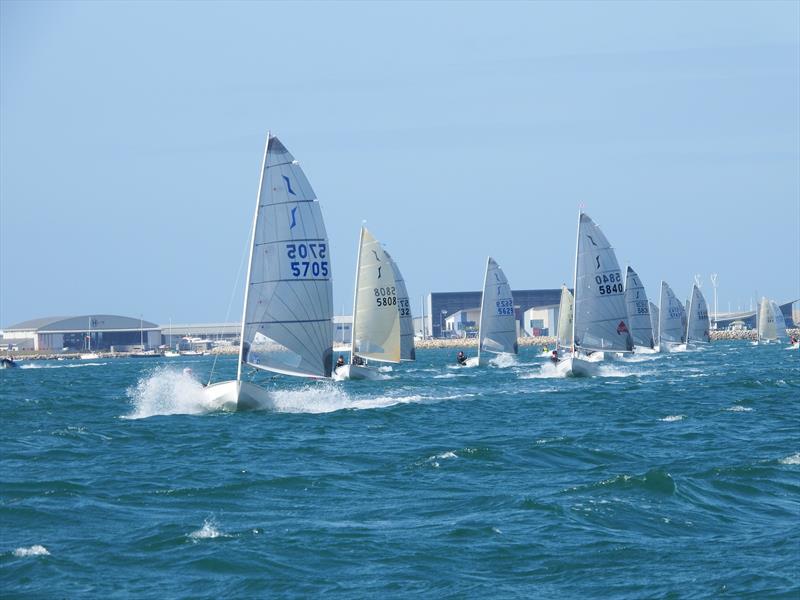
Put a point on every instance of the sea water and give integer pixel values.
(669, 476)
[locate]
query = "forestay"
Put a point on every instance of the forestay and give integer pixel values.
(288, 299)
(697, 328)
(565, 318)
(600, 313)
(672, 317)
(638, 310)
(497, 328)
(407, 351)
(376, 319)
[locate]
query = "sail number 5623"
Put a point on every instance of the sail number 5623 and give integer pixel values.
(311, 263)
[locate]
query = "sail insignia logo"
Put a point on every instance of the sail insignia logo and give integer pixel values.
(294, 218)
(288, 185)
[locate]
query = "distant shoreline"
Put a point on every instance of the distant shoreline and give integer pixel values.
(425, 344)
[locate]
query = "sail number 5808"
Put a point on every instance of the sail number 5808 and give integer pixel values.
(385, 296)
(313, 266)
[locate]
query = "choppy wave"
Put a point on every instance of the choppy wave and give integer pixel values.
(209, 531)
(672, 418)
(74, 365)
(794, 459)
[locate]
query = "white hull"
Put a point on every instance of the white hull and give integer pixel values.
(346, 372)
(89, 356)
(191, 353)
(793, 346)
(577, 367)
(170, 354)
(645, 350)
(667, 347)
(473, 361)
(237, 395)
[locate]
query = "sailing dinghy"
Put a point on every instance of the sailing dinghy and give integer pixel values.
(638, 314)
(497, 328)
(288, 299)
(376, 318)
(771, 326)
(600, 322)
(565, 311)
(697, 327)
(407, 351)
(672, 321)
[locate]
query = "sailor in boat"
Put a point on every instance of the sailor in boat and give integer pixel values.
(340, 361)
(554, 356)
(357, 360)
(545, 349)
(461, 358)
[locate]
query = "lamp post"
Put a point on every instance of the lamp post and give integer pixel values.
(442, 315)
(714, 283)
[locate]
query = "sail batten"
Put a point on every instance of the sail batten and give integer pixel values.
(289, 306)
(601, 319)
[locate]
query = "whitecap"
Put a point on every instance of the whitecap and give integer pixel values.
(208, 531)
(35, 550)
(671, 418)
(794, 459)
(168, 391)
(739, 408)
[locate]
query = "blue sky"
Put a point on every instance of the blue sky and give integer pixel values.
(131, 136)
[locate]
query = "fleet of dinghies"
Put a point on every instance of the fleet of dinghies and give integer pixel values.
(288, 301)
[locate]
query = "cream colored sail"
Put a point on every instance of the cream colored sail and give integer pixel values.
(497, 329)
(565, 318)
(407, 351)
(376, 318)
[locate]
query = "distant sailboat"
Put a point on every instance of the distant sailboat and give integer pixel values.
(497, 328)
(288, 300)
(697, 327)
(89, 355)
(771, 326)
(638, 313)
(565, 312)
(672, 320)
(407, 351)
(654, 312)
(376, 317)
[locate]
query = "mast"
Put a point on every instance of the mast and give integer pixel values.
(250, 262)
(575, 281)
(483, 300)
(355, 296)
(141, 331)
(689, 317)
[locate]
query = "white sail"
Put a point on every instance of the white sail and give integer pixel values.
(698, 324)
(497, 331)
(672, 316)
(407, 351)
(600, 313)
(638, 310)
(565, 318)
(654, 320)
(288, 298)
(780, 320)
(376, 319)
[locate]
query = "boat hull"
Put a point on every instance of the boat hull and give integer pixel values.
(577, 367)
(357, 372)
(237, 395)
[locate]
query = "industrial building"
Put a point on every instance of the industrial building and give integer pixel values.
(439, 306)
(75, 334)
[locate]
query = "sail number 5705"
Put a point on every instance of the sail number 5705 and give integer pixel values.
(311, 263)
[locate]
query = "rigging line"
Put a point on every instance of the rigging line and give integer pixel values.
(230, 301)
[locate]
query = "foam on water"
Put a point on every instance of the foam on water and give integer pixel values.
(739, 408)
(794, 459)
(503, 361)
(672, 418)
(167, 391)
(208, 531)
(35, 550)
